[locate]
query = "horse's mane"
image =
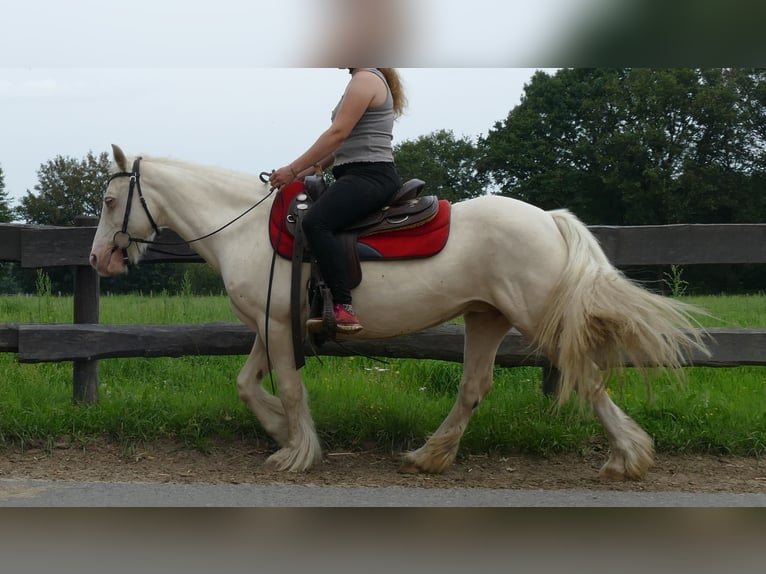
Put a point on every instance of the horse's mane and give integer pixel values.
(200, 170)
(218, 177)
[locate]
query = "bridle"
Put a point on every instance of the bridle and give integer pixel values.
(122, 239)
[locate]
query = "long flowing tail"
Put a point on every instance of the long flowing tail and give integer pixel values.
(598, 319)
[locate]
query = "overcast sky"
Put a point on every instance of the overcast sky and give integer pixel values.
(246, 119)
(249, 84)
(240, 84)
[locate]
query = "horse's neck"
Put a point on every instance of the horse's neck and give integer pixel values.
(195, 205)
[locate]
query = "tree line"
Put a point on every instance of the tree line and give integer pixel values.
(617, 146)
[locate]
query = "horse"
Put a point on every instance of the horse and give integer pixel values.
(506, 264)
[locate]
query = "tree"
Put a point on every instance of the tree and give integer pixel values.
(7, 281)
(445, 163)
(634, 146)
(540, 153)
(639, 146)
(66, 188)
(6, 213)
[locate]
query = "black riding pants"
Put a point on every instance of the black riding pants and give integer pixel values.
(359, 189)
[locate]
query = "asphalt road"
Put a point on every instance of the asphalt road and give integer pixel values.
(41, 493)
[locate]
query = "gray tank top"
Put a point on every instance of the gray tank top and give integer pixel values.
(370, 139)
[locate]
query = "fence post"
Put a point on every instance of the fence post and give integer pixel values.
(86, 310)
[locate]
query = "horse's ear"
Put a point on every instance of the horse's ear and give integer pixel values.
(119, 158)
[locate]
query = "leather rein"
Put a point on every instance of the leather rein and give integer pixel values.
(122, 239)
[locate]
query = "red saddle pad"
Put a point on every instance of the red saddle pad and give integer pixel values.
(422, 241)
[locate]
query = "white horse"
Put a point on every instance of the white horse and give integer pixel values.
(506, 264)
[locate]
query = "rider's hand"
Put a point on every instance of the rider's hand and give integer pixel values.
(281, 177)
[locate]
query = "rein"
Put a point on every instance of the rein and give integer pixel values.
(122, 239)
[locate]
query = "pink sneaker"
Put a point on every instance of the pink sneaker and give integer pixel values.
(346, 320)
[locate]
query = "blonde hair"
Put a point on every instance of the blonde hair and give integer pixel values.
(397, 90)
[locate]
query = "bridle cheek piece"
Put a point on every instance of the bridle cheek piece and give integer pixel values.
(122, 239)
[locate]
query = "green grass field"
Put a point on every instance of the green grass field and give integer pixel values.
(357, 401)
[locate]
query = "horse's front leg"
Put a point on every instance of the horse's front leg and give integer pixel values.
(266, 407)
(300, 449)
(483, 334)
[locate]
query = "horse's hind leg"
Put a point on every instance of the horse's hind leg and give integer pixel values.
(631, 448)
(266, 407)
(483, 334)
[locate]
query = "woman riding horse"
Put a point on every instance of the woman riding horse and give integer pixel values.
(358, 145)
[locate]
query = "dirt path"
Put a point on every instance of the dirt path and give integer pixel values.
(242, 462)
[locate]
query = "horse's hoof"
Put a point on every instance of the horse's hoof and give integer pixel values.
(288, 460)
(611, 474)
(408, 467)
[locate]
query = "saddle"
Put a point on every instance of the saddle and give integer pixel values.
(410, 226)
(406, 210)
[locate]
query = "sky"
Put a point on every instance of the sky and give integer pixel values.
(245, 119)
(248, 85)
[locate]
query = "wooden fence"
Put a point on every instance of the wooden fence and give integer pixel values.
(86, 341)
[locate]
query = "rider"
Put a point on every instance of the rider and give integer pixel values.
(358, 144)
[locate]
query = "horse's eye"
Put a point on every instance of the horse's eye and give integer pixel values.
(109, 201)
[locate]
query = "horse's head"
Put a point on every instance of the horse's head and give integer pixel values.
(125, 220)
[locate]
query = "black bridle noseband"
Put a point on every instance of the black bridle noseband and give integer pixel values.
(122, 239)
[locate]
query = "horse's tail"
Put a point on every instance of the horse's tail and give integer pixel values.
(596, 318)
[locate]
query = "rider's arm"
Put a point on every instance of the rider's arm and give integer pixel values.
(360, 92)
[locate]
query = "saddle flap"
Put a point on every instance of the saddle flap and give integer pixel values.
(301, 202)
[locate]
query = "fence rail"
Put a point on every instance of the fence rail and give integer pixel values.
(682, 244)
(87, 341)
(56, 342)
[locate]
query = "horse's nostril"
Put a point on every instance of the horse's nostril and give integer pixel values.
(93, 259)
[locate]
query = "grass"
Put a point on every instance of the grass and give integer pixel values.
(362, 403)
